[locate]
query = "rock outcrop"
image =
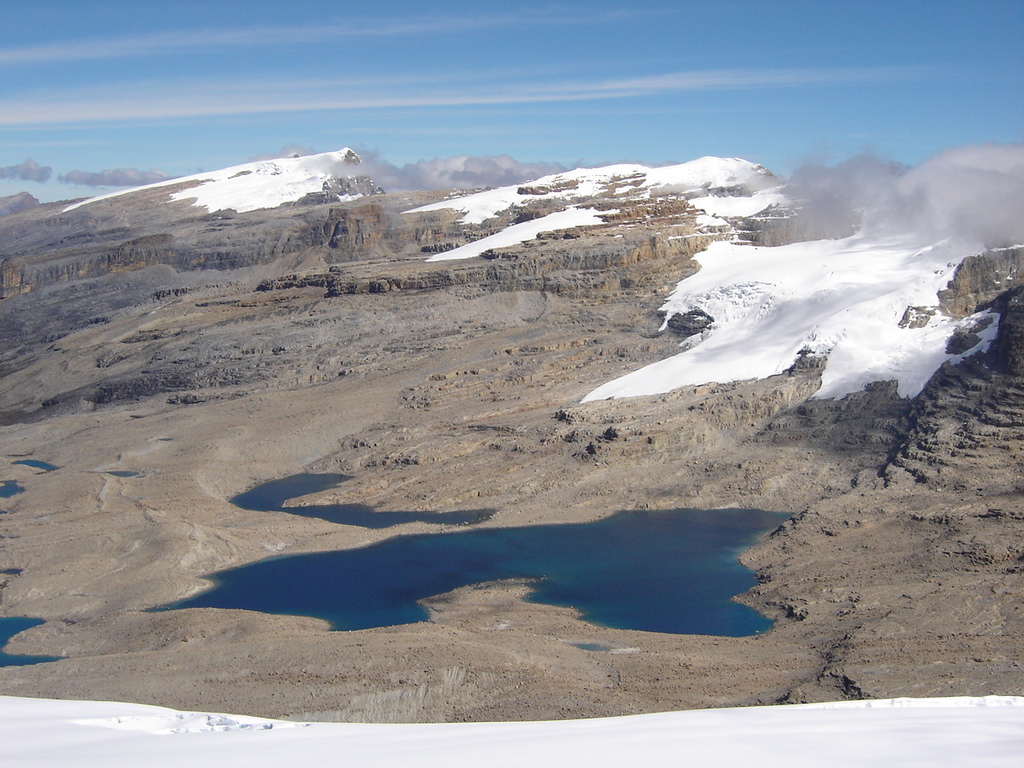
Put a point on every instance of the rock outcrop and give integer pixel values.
(980, 279)
(22, 201)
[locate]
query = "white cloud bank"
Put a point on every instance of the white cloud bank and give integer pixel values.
(974, 192)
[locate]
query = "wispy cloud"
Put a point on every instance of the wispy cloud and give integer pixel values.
(718, 79)
(187, 40)
(162, 100)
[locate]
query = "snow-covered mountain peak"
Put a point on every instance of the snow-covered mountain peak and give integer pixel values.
(263, 183)
(755, 308)
(705, 177)
(712, 173)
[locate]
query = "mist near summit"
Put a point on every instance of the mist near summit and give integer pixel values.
(973, 193)
(438, 173)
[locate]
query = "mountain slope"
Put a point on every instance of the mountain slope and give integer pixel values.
(262, 184)
(165, 359)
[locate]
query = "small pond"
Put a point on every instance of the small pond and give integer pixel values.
(9, 628)
(9, 488)
(659, 571)
(271, 497)
(36, 464)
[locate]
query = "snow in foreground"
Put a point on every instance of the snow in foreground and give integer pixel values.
(851, 300)
(253, 186)
(987, 731)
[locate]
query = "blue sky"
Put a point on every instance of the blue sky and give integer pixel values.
(180, 87)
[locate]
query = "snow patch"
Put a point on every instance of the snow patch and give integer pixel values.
(966, 732)
(254, 186)
(704, 173)
(527, 230)
(732, 206)
(186, 722)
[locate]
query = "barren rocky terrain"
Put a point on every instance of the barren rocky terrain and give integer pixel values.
(202, 354)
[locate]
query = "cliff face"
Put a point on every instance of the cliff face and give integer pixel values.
(46, 245)
(981, 278)
(12, 273)
(942, 519)
(374, 246)
(1010, 344)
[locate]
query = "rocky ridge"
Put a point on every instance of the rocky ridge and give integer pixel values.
(15, 203)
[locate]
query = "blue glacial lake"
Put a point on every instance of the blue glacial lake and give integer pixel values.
(9, 628)
(659, 571)
(271, 497)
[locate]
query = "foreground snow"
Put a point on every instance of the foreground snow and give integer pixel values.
(253, 186)
(986, 731)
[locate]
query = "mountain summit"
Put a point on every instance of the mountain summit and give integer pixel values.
(866, 305)
(329, 177)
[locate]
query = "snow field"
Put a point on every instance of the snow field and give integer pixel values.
(588, 182)
(253, 186)
(962, 732)
(841, 298)
(520, 233)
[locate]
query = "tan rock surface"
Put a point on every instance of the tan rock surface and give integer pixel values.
(899, 575)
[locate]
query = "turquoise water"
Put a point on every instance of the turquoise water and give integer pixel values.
(271, 497)
(665, 571)
(9, 628)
